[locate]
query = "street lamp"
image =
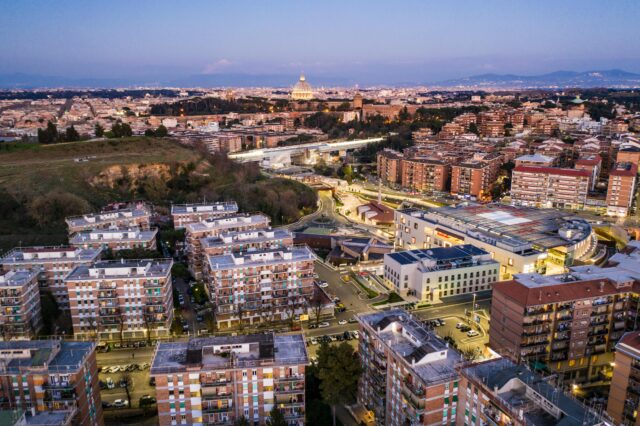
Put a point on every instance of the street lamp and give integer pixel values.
(473, 307)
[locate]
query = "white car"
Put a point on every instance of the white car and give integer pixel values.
(323, 284)
(323, 324)
(342, 322)
(472, 333)
(120, 403)
(314, 341)
(459, 325)
(355, 334)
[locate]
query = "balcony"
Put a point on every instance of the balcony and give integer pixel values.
(150, 284)
(216, 382)
(216, 396)
(296, 378)
(412, 389)
(217, 409)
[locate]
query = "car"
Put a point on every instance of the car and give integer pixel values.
(122, 383)
(339, 337)
(185, 327)
(342, 322)
(102, 385)
(130, 367)
(199, 318)
(336, 300)
(152, 381)
(332, 338)
(323, 324)
(106, 404)
(347, 335)
(465, 328)
(313, 341)
(109, 383)
(144, 366)
(323, 284)
(472, 333)
(355, 334)
(442, 322)
(181, 302)
(192, 300)
(120, 403)
(147, 399)
(459, 325)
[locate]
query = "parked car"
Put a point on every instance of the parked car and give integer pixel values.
(459, 325)
(352, 320)
(342, 322)
(106, 404)
(323, 284)
(323, 324)
(152, 381)
(109, 383)
(465, 328)
(312, 326)
(472, 333)
(355, 334)
(120, 403)
(147, 400)
(314, 341)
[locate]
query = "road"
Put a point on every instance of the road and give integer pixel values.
(140, 378)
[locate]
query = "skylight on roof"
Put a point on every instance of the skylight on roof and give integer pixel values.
(504, 217)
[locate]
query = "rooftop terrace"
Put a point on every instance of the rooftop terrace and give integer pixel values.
(261, 257)
(133, 268)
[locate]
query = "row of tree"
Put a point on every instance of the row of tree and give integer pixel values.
(50, 134)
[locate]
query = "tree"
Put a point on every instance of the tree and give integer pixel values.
(276, 417)
(50, 312)
(127, 383)
(404, 115)
(317, 303)
(120, 130)
(161, 131)
(242, 421)
(149, 133)
(339, 370)
(71, 134)
(49, 134)
(473, 128)
(99, 130)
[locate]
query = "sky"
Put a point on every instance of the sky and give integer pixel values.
(372, 41)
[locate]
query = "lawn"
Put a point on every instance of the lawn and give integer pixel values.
(392, 298)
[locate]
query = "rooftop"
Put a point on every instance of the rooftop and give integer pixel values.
(229, 222)
(246, 237)
(219, 207)
(113, 234)
(527, 394)
(630, 344)
(441, 254)
(429, 357)
(49, 355)
(624, 169)
(267, 256)
(131, 268)
(536, 158)
(107, 216)
(42, 254)
(17, 278)
(552, 171)
(252, 350)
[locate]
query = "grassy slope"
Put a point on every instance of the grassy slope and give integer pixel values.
(27, 171)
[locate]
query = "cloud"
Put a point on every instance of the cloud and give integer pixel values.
(217, 66)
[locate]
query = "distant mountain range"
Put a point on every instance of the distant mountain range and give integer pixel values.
(606, 78)
(560, 79)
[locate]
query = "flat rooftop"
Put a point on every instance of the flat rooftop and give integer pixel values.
(225, 352)
(440, 254)
(113, 234)
(512, 384)
(219, 207)
(246, 237)
(229, 222)
(510, 226)
(42, 254)
(107, 216)
(411, 340)
(131, 268)
(260, 257)
(67, 356)
(17, 278)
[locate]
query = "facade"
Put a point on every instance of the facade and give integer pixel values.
(624, 393)
(408, 373)
(218, 380)
(570, 322)
(593, 164)
(472, 178)
(21, 316)
(137, 216)
(115, 239)
(550, 187)
(499, 392)
(196, 231)
(520, 239)
(54, 377)
(390, 167)
(430, 274)
(121, 299)
(262, 285)
(425, 174)
(622, 188)
(53, 265)
(302, 90)
(197, 212)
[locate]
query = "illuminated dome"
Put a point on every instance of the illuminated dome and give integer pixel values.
(302, 91)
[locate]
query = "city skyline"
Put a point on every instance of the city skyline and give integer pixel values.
(340, 44)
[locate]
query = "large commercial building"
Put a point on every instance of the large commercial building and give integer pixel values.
(121, 299)
(520, 239)
(52, 376)
(197, 212)
(431, 274)
(53, 265)
(624, 393)
(218, 380)
(571, 322)
(550, 187)
(408, 374)
(499, 392)
(262, 285)
(138, 216)
(196, 231)
(20, 317)
(621, 189)
(115, 239)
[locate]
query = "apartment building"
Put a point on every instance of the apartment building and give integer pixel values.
(197, 231)
(499, 392)
(569, 323)
(54, 377)
(621, 189)
(260, 286)
(408, 373)
(431, 274)
(593, 164)
(473, 178)
(197, 212)
(390, 167)
(425, 174)
(218, 380)
(624, 393)
(20, 317)
(246, 241)
(53, 265)
(520, 239)
(549, 187)
(115, 239)
(121, 299)
(133, 216)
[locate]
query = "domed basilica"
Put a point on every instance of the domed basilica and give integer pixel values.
(302, 91)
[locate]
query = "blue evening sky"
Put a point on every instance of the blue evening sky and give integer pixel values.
(390, 41)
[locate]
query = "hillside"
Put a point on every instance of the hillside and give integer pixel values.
(41, 184)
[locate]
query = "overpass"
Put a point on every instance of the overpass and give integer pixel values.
(281, 156)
